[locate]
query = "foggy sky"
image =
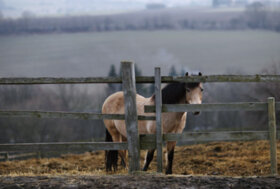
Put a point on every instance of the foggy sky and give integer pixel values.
(15, 8)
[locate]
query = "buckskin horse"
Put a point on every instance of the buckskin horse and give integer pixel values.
(174, 93)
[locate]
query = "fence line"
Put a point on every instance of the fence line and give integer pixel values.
(67, 115)
(136, 142)
(139, 79)
(64, 146)
(237, 106)
(7, 156)
(147, 141)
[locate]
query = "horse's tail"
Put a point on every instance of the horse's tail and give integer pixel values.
(111, 156)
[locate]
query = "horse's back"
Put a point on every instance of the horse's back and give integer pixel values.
(114, 104)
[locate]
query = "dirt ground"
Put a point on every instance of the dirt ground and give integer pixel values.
(219, 158)
(140, 181)
(212, 165)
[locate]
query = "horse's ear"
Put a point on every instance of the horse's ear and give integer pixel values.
(199, 73)
(187, 74)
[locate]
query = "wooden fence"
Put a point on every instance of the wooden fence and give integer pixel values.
(136, 142)
(6, 156)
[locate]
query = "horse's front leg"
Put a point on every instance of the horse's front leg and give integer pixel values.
(149, 158)
(122, 154)
(170, 147)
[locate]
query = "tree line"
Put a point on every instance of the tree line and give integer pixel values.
(256, 16)
(71, 98)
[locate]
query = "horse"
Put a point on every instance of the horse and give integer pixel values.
(173, 93)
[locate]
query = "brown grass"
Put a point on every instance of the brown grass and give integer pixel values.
(219, 158)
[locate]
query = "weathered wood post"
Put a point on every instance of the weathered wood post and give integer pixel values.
(38, 155)
(129, 89)
(272, 135)
(158, 104)
(6, 156)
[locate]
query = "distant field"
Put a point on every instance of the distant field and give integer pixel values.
(91, 54)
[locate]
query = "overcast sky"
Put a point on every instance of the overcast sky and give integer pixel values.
(15, 8)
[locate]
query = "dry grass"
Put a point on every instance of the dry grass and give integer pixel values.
(219, 158)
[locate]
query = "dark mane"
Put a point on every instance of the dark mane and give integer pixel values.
(173, 93)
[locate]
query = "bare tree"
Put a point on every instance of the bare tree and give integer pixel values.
(1, 15)
(28, 14)
(256, 14)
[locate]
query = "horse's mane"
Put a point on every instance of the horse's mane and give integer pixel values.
(173, 93)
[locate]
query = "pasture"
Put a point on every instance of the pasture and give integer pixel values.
(216, 158)
(91, 54)
(205, 162)
(209, 162)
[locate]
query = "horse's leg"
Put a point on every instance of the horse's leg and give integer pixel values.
(149, 158)
(170, 147)
(111, 156)
(123, 154)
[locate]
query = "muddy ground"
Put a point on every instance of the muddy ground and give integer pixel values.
(219, 165)
(140, 181)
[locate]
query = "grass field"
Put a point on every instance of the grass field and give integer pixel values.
(91, 54)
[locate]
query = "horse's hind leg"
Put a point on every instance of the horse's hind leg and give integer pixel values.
(149, 158)
(122, 154)
(111, 156)
(170, 154)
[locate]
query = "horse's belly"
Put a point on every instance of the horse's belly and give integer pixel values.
(171, 123)
(144, 127)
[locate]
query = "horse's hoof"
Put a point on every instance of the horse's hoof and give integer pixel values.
(168, 172)
(123, 164)
(145, 169)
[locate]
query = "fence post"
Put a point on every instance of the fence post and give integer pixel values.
(272, 135)
(129, 89)
(158, 104)
(38, 155)
(6, 156)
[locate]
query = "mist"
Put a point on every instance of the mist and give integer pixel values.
(92, 40)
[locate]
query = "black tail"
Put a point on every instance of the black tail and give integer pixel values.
(111, 156)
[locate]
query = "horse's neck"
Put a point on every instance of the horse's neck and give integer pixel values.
(149, 101)
(175, 115)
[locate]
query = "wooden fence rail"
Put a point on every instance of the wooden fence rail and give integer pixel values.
(64, 146)
(136, 142)
(67, 115)
(139, 79)
(7, 156)
(146, 141)
(237, 106)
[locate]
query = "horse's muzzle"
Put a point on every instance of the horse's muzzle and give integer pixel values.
(196, 113)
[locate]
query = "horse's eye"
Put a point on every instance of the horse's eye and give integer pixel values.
(188, 90)
(201, 89)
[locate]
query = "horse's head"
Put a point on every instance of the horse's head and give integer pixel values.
(194, 92)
